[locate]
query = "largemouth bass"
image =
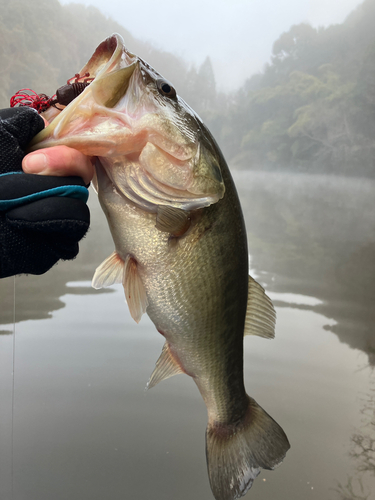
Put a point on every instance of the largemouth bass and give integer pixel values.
(180, 248)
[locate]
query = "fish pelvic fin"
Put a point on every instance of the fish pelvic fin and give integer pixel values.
(110, 272)
(166, 366)
(135, 292)
(115, 270)
(236, 452)
(260, 313)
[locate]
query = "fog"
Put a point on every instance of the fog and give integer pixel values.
(85, 429)
(237, 34)
(75, 421)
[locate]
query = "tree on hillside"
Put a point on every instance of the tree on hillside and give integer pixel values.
(207, 85)
(313, 107)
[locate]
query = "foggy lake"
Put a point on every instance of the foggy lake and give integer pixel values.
(83, 426)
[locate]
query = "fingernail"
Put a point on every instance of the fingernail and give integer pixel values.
(35, 163)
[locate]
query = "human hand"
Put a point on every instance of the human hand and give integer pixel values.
(42, 217)
(59, 161)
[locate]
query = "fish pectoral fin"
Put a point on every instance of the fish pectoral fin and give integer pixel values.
(260, 313)
(166, 366)
(135, 292)
(109, 272)
(172, 220)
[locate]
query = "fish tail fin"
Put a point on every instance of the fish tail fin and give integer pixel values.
(236, 452)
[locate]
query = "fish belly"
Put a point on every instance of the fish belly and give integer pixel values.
(196, 288)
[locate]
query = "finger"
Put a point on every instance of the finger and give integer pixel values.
(60, 161)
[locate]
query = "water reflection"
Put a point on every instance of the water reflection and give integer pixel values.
(293, 298)
(362, 452)
(85, 429)
(38, 296)
(315, 235)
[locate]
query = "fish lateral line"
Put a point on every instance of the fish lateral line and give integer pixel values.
(209, 278)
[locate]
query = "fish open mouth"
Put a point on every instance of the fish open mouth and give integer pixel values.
(144, 136)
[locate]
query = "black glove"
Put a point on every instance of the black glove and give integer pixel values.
(42, 218)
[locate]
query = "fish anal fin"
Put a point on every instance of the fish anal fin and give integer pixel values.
(260, 313)
(110, 271)
(172, 220)
(135, 292)
(166, 366)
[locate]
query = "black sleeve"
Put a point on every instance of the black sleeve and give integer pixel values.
(42, 218)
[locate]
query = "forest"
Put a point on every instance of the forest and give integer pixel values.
(312, 108)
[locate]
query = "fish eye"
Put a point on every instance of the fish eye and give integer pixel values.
(165, 88)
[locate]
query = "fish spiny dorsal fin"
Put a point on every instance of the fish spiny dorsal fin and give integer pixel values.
(166, 366)
(260, 313)
(135, 292)
(110, 272)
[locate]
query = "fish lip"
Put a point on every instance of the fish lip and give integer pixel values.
(126, 133)
(108, 55)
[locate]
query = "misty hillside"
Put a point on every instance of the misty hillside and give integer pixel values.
(43, 44)
(311, 109)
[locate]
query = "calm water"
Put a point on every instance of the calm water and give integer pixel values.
(84, 428)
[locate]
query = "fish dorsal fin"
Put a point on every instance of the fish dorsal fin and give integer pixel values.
(260, 313)
(172, 220)
(109, 272)
(166, 366)
(135, 292)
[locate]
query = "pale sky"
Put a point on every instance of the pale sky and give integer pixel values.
(237, 34)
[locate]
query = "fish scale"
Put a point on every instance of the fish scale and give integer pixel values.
(180, 249)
